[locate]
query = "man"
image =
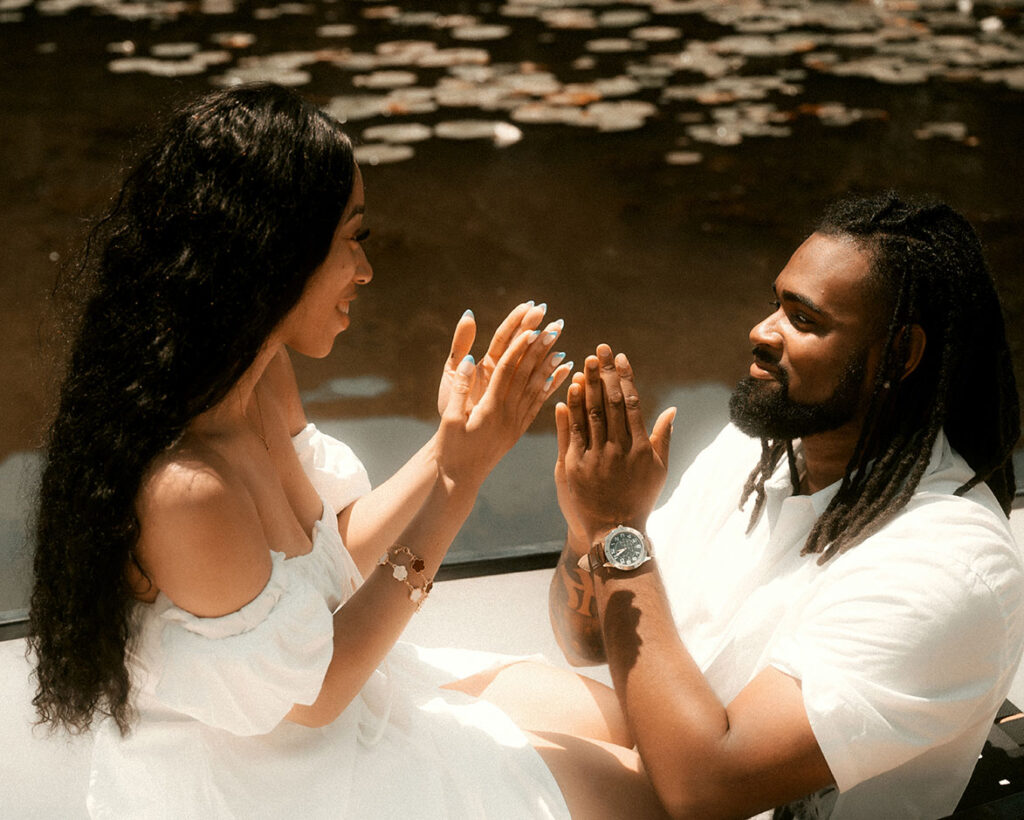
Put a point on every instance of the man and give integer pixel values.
(833, 631)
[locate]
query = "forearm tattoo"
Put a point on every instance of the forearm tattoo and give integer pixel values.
(574, 610)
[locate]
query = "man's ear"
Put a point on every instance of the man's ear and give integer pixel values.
(915, 348)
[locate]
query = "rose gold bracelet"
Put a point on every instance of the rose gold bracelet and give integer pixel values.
(400, 572)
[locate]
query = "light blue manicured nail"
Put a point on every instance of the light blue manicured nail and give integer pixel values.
(534, 334)
(530, 303)
(549, 379)
(556, 358)
(468, 313)
(569, 364)
(543, 306)
(469, 359)
(558, 325)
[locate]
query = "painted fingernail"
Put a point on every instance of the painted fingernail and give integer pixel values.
(466, 365)
(530, 303)
(468, 313)
(569, 364)
(543, 306)
(533, 335)
(550, 336)
(556, 358)
(549, 379)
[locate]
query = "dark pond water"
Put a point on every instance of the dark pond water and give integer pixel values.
(645, 168)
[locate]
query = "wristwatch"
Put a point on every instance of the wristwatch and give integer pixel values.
(624, 548)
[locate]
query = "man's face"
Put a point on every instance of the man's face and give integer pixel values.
(815, 356)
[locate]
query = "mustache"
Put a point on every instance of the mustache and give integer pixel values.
(766, 356)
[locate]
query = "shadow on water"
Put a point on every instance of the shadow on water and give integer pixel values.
(645, 168)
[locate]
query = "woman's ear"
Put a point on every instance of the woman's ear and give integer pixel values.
(915, 347)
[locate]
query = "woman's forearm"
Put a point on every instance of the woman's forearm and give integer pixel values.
(370, 622)
(372, 523)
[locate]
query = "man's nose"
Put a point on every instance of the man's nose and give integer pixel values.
(766, 332)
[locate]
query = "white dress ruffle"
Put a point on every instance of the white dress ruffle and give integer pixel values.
(211, 694)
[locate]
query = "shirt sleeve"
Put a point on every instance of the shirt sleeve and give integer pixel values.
(244, 671)
(904, 644)
(335, 471)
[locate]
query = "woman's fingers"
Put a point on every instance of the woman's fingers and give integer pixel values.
(462, 339)
(522, 317)
(462, 386)
(505, 369)
(559, 371)
(537, 363)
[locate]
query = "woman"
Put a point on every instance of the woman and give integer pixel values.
(202, 549)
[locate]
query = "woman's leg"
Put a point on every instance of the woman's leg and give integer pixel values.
(577, 727)
(599, 781)
(544, 698)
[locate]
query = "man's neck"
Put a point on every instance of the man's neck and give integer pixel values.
(826, 456)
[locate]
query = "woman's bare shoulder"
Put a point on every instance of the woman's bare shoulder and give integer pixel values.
(200, 541)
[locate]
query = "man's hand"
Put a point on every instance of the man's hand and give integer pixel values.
(613, 471)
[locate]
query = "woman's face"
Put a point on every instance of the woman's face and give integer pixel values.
(322, 311)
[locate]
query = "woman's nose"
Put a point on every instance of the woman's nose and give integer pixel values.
(364, 271)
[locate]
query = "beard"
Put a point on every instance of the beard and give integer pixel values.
(763, 409)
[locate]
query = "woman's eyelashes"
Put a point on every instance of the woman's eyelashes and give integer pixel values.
(362, 235)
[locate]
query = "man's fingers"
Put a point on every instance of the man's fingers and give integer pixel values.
(576, 405)
(630, 398)
(615, 413)
(661, 435)
(593, 395)
(562, 431)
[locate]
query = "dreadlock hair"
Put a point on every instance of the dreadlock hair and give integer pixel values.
(927, 268)
(209, 244)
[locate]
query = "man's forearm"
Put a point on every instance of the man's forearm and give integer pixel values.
(573, 609)
(704, 759)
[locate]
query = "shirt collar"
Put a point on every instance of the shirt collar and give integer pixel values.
(779, 486)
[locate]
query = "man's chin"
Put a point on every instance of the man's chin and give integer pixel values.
(750, 402)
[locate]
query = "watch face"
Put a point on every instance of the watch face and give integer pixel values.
(625, 549)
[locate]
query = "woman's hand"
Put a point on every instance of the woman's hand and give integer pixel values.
(609, 471)
(526, 316)
(476, 432)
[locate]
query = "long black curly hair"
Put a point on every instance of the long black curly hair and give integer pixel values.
(927, 268)
(208, 245)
